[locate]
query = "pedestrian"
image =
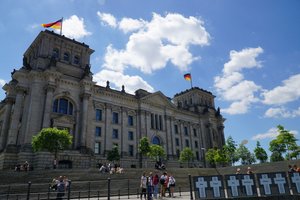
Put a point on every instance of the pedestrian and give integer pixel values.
(249, 171)
(171, 184)
(163, 180)
(143, 185)
(60, 188)
(238, 171)
(54, 164)
(155, 181)
(150, 186)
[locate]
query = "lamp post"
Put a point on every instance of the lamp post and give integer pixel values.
(204, 160)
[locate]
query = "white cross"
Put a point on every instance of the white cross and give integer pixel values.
(248, 183)
(201, 185)
(296, 180)
(215, 184)
(233, 183)
(266, 182)
(280, 181)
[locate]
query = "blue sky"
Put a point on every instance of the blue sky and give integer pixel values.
(247, 53)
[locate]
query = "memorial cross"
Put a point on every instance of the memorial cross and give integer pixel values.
(266, 182)
(233, 183)
(248, 183)
(201, 185)
(215, 184)
(296, 180)
(280, 181)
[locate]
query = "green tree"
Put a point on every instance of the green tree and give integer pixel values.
(144, 148)
(284, 143)
(216, 156)
(186, 155)
(210, 156)
(52, 140)
(276, 156)
(260, 153)
(156, 152)
(245, 155)
(229, 150)
(114, 154)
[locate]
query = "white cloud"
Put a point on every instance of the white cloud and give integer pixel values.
(270, 134)
(231, 85)
(153, 44)
(129, 24)
(108, 19)
(242, 59)
(282, 113)
(74, 27)
(289, 91)
(2, 82)
(131, 83)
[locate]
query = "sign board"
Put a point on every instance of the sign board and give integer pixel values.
(208, 187)
(240, 185)
(295, 182)
(272, 183)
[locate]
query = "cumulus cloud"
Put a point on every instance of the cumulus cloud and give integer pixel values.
(2, 82)
(152, 44)
(270, 134)
(282, 113)
(131, 83)
(74, 27)
(232, 86)
(107, 19)
(287, 92)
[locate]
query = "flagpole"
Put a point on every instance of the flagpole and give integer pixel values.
(62, 19)
(191, 81)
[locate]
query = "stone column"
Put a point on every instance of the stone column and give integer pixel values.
(15, 118)
(6, 120)
(84, 114)
(48, 105)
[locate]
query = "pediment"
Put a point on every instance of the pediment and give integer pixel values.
(157, 98)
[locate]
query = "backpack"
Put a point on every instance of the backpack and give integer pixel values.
(162, 180)
(61, 187)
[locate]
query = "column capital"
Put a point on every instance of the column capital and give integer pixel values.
(50, 87)
(85, 95)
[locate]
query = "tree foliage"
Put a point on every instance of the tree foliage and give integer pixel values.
(216, 156)
(284, 143)
(156, 152)
(186, 155)
(229, 150)
(52, 140)
(260, 153)
(276, 156)
(245, 155)
(144, 146)
(114, 154)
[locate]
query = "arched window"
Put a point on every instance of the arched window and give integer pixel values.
(156, 140)
(55, 53)
(76, 60)
(63, 106)
(66, 56)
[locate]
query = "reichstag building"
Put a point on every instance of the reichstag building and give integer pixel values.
(54, 88)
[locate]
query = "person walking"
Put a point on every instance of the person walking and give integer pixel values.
(155, 181)
(143, 185)
(171, 185)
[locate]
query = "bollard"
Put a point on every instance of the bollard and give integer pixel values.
(108, 188)
(69, 189)
(98, 193)
(28, 190)
(137, 193)
(48, 195)
(119, 194)
(79, 195)
(89, 192)
(38, 196)
(8, 191)
(191, 187)
(180, 191)
(128, 189)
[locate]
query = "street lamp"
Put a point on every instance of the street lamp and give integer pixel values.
(204, 160)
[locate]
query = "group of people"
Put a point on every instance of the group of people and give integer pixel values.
(150, 185)
(109, 168)
(61, 186)
(22, 167)
(293, 169)
(249, 171)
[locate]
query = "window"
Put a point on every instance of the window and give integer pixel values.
(152, 121)
(187, 143)
(115, 119)
(130, 120)
(98, 131)
(63, 106)
(156, 122)
(177, 153)
(156, 140)
(197, 155)
(97, 148)
(160, 122)
(115, 134)
(130, 150)
(196, 144)
(186, 131)
(98, 115)
(176, 129)
(130, 135)
(55, 53)
(177, 141)
(66, 56)
(76, 60)
(195, 132)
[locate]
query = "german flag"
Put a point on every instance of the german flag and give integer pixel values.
(55, 25)
(187, 77)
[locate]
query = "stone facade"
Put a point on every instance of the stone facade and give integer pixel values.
(54, 88)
